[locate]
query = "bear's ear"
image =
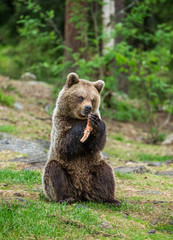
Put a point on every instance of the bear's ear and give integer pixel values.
(72, 78)
(99, 85)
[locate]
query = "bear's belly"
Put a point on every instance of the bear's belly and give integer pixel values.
(80, 171)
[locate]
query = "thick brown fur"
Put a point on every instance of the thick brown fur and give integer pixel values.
(75, 171)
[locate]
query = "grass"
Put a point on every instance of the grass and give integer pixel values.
(41, 220)
(125, 176)
(31, 216)
(6, 100)
(125, 150)
(47, 221)
(8, 129)
(152, 157)
(10, 177)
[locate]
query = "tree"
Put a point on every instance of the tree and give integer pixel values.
(76, 28)
(108, 23)
(119, 16)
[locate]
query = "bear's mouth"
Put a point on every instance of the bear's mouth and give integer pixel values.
(83, 114)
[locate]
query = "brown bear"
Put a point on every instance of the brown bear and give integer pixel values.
(76, 171)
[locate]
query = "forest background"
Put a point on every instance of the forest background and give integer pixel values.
(128, 44)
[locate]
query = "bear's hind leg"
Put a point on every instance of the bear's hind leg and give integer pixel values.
(57, 184)
(103, 185)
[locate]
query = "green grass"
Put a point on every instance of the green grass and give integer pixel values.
(8, 129)
(6, 100)
(127, 150)
(10, 177)
(166, 227)
(40, 219)
(125, 176)
(152, 157)
(117, 136)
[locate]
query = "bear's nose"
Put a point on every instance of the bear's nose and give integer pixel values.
(87, 109)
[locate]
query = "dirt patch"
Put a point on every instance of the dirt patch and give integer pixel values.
(16, 194)
(27, 89)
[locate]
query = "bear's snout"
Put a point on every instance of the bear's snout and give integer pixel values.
(87, 109)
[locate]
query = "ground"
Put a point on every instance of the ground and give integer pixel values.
(147, 207)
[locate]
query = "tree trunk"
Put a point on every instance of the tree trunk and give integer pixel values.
(119, 15)
(108, 23)
(123, 84)
(75, 28)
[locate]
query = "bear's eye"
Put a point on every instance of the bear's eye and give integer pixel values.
(81, 98)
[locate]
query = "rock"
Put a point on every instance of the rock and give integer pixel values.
(165, 173)
(155, 222)
(80, 206)
(171, 222)
(38, 166)
(36, 155)
(2, 108)
(131, 163)
(18, 106)
(19, 194)
(21, 200)
(137, 169)
(168, 140)
(106, 225)
(48, 108)
(156, 202)
(155, 164)
(105, 156)
(170, 161)
(139, 138)
(7, 142)
(149, 192)
(151, 231)
(28, 77)
(45, 144)
(36, 83)
(36, 189)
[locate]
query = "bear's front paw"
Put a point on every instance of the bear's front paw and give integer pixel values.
(96, 123)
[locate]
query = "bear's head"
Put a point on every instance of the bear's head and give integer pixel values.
(79, 97)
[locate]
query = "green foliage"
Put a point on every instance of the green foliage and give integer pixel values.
(6, 100)
(123, 110)
(39, 46)
(146, 67)
(155, 136)
(161, 137)
(143, 57)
